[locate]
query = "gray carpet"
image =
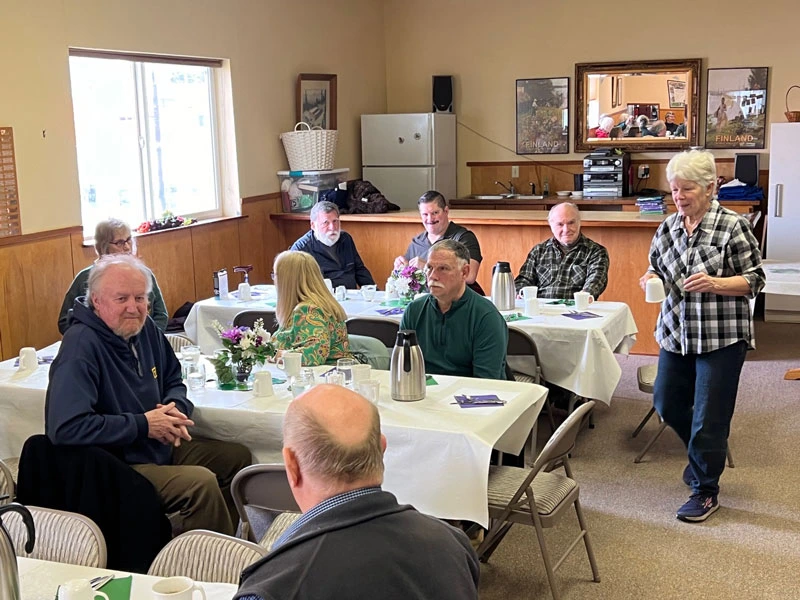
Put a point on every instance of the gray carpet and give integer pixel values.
(749, 549)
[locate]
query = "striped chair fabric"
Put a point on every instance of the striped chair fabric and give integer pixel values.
(280, 524)
(549, 489)
(178, 341)
(61, 536)
(206, 556)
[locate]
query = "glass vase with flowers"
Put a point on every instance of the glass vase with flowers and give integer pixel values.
(243, 349)
(408, 282)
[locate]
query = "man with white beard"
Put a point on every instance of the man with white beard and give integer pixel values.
(333, 249)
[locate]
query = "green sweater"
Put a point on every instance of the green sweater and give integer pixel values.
(469, 340)
(158, 309)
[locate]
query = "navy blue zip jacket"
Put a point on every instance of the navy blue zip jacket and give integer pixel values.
(101, 386)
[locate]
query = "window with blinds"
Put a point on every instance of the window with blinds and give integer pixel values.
(9, 191)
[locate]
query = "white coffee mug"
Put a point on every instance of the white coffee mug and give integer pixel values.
(582, 300)
(262, 386)
(290, 363)
(244, 292)
(654, 290)
(78, 589)
(28, 359)
(530, 291)
(532, 307)
(176, 588)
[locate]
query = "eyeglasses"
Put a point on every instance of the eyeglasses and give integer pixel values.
(121, 243)
(272, 275)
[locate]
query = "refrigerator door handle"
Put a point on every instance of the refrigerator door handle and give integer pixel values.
(778, 200)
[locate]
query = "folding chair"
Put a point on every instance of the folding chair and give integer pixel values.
(383, 329)
(206, 556)
(522, 357)
(178, 341)
(265, 490)
(539, 498)
(8, 479)
(61, 536)
(646, 376)
(246, 318)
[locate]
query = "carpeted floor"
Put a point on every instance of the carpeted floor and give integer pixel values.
(749, 549)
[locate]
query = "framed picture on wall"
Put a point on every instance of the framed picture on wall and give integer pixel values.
(676, 90)
(316, 100)
(543, 116)
(736, 107)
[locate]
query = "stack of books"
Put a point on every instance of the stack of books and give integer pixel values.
(651, 205)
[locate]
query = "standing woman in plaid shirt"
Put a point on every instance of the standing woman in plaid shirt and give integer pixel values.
(710, 263)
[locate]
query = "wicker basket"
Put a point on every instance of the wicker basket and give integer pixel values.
(793, 116)
(310, 149)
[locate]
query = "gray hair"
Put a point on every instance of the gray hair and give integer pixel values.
(460, 250)
(432, 196)
(104, 263)
(574, 208)
(319, 453)
(104, 233)
(697, 166)
(324, 207)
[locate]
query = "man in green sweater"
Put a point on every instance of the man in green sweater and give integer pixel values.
(460, 332)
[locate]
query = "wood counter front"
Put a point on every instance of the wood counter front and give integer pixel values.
(509, 235)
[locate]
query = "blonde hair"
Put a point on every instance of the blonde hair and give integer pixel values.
(697, 166)
(298, 280)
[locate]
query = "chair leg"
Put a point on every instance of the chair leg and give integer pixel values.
(587, 542)
(649, 414)
(497, 531)
(548, 567)
(730, 457)
(549, 408)
(652, 441)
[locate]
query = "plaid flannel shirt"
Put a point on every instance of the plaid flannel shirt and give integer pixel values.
(559, 274)
(722, 245)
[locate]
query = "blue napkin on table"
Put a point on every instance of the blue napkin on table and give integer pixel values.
(477, 401)
(390, 311)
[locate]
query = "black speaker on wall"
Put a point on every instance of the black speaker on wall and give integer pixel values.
(443, 93)
(746, 168)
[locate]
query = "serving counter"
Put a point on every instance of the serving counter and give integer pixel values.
(509, 235)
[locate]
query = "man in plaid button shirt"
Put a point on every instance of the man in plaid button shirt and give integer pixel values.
(568, 262)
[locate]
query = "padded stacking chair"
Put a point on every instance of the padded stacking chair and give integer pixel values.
(539, 498)
(646, 376)
(8, 479)
(206, 556)
(265, 490)
(246, 318)
(178, 341)
(383, 329)
(61, 536)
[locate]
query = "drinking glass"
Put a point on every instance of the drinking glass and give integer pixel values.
(370, 389)
(302, 382)
(341, 293)
(191, 354)
(334, 377)
(196, 377)
(345, 367)
(368, 292)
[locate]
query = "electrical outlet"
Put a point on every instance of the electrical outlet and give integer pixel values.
(514, 171)
(644, 171)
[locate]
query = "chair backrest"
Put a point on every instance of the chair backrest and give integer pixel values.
(562, 441)
(263, 487)
(246, 318)
(61, 536)
(206, 556)
(178, 341)
(522, 355)
(7, 483)
(383, 329)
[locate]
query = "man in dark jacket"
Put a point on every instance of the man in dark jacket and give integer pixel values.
(354, 540)
(116, 383)
(333, 249)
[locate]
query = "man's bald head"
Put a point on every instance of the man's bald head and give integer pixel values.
(334, 435)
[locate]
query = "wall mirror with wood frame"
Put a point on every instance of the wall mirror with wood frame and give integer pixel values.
(637, 106)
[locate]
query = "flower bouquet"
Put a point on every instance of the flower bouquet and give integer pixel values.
(167, 221)
(408, 282)
(244, 348)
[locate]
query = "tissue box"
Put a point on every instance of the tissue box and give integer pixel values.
(300, 190)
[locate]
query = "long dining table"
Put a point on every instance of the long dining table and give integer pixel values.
(576, 354)
(437, 455)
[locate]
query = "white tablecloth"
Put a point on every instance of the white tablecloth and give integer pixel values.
(39, 580)
(437, 456)
(577, 355)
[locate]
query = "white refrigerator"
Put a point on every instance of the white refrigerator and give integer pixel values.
(405, 155)
(783, 220)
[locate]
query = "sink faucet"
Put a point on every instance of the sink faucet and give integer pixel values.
(533, 188)
(509, 188)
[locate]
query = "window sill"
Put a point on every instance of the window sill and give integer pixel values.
(89, 242)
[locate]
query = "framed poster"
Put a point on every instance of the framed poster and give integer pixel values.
(316, 100)
(736, 108)
(543, 116)
(676, 91)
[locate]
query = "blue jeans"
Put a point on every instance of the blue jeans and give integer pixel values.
(695, 395)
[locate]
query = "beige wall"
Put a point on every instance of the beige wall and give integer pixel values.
(268, 43)
(488, 45)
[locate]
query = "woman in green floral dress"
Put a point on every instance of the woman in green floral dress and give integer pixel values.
(310, 320)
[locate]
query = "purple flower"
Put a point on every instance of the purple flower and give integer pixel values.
(408, 271)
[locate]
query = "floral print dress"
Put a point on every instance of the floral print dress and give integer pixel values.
(319, 336)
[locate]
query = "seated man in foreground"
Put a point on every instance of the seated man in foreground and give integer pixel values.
(460, 332)
(354, 540)
(116, 383)
(568, 262)
(333, 249)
